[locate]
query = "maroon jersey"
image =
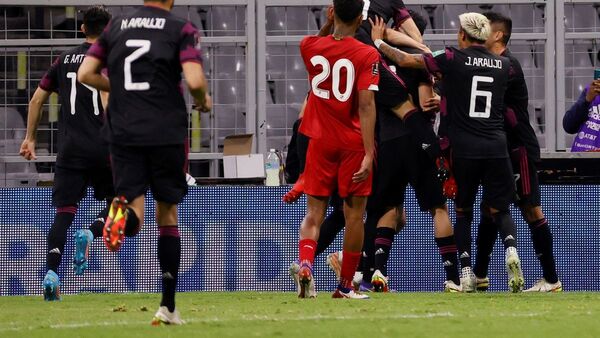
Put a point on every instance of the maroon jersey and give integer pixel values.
(475, 82)
(80, 144)
(144, 52)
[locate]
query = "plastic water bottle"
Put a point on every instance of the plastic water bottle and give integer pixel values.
(272, 169)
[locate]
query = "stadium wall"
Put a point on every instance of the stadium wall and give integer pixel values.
(243, 238)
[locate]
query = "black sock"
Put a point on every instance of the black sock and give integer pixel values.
(506, 227)
(449, 255)
(368, 257)
(422, 130)
(132, 227)
(487, 233)
(383, 246)
(332, 225)
(98, 225)
(462, 234)
(542, 244)
(169, 255)
(57, 236)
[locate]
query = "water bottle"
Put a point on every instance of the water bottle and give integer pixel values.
(272, 169)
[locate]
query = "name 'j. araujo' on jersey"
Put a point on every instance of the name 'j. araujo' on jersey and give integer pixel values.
(476, 83)
(145, 77)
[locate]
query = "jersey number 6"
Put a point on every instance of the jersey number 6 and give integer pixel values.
(481, 93)
(319, 60)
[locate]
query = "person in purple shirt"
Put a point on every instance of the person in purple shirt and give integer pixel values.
(583, 118)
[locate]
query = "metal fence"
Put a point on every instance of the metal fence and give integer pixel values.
(257, 77)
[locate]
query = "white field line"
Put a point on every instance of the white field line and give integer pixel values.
(263, 318)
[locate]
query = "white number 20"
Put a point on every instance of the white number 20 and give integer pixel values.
(480, 93)
(335, 72)
(143, 48)
(73, 97)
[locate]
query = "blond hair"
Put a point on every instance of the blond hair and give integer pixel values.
(475, 25)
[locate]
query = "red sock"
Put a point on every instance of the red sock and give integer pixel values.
(349, 265)
(306, 250)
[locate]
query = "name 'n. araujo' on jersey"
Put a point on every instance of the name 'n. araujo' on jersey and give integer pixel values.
(143, 53)
(80, 144)
(475, 82)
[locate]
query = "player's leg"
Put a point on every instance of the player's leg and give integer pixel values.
(498, 194)
(332, 225)
(354, 209)
(366, 267)
(422, 175)
(69, 188)
(132, 176)
(529, 201)
(355, 202)
(101, 181)
(487, 233)
(320, 183)
(297, 190)
(467, 173)
(384, 239)
(169, 187)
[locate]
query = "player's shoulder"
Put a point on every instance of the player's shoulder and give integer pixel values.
(309, 40)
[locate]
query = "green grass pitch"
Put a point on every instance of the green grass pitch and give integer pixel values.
(255, 314)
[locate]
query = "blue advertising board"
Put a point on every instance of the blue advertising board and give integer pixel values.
(244, 238)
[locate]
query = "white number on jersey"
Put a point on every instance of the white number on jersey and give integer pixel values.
(73, 77)
(143, 48)
(480, 93)
(365, 12)
(336, 74)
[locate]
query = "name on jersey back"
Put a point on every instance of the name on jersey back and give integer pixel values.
(74, 58)
(148, 23)
(483, 62)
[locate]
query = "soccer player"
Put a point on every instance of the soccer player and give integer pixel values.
(145, 53)
(475, 84)
(82, 159)
(525, 153)
(339, 120)
(400, 161)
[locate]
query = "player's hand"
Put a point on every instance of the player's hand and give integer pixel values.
(365, 169)
(28, 150)
(330, 15)
(432, 104)
(593, 91)
(425, 49)
(204, 105)
(377, 28)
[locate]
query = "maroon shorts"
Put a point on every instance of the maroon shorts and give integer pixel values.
(329, 168)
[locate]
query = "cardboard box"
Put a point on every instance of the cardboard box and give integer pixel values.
(238, 162)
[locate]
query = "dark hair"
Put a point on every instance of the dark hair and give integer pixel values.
(419, 20)
(505, 21)
(348, 10)
(95, 18)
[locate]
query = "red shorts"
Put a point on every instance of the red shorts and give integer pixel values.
(329, 168)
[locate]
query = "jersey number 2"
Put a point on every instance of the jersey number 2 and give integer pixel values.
(480, 93)
(73, 97)
(143, 48)
(336, 74)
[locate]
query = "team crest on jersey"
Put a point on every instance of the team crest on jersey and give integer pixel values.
(375, 69)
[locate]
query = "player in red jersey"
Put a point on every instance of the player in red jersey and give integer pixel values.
(340, 121)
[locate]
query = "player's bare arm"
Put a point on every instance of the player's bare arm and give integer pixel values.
(366, 111)
(428, 99)
(398, 38)
(399, 57)
(89, 73)
(410, 28)
(328, 26)
(197, 84)
(34, 115)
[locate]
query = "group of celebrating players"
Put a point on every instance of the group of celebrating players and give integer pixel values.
(364, 89)
(369, 109)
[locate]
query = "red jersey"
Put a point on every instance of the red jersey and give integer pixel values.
(337, 71)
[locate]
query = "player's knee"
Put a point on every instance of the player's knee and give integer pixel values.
(532, 213)
(400, 219)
